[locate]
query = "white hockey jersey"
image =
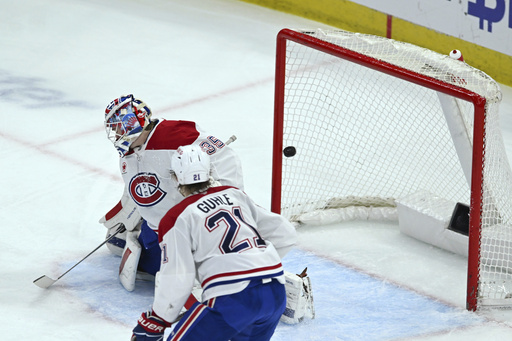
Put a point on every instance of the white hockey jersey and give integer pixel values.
(146, 171)
(225, 239)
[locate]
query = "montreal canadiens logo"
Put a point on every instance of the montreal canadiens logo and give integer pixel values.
(145, 189)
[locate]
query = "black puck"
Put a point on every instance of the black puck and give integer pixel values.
(289, 151)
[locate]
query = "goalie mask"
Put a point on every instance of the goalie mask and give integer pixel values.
(125, 118)
(191, 165)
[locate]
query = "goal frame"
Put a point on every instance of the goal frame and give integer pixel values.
(478, 101)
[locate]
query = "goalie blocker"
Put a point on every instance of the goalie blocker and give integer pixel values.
(124, 213)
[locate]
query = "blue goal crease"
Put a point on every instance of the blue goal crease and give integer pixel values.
(349, 305)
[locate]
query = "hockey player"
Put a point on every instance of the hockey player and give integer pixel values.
(145, 147)
(235, 248)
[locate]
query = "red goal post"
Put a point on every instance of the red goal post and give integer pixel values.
(375, 122)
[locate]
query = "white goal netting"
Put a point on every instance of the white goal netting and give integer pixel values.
(365, 136)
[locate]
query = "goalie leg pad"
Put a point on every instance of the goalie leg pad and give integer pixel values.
(299, 298)
(130, 261)
(116, 245)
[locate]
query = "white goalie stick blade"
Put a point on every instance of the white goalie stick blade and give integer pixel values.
(44, 281)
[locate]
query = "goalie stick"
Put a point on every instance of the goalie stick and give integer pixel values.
(45, 281)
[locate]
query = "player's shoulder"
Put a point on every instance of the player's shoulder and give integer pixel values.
(170, 218)
(170, 134)
(189, 201)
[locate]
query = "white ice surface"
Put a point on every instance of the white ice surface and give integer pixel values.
(212, 61)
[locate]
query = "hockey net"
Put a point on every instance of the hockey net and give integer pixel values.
(374, 122)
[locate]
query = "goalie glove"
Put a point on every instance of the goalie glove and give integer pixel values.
(299, 298)
(150, 327)
(124, 213)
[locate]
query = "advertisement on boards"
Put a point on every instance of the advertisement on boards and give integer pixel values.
(487, 23)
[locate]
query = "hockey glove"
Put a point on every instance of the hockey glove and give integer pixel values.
(124, 213)
(150, 327)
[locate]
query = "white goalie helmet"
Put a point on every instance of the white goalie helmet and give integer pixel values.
(125, 118)
(191, 165)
